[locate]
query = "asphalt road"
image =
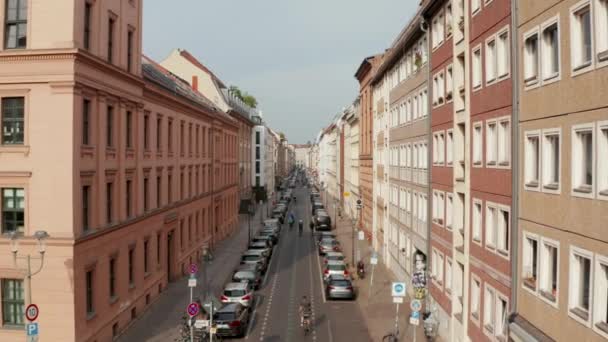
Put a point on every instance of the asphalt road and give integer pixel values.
(295, 271)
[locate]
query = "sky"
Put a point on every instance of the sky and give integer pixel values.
(297, 57)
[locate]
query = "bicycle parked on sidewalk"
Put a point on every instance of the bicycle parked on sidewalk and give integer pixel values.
(391, 337)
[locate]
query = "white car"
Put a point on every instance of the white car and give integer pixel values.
(238, 293)
(335, 268)
(333, 256)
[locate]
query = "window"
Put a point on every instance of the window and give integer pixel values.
(582, 159)
(448, 20)
(551, 159)
(159, 124)
(109, 211)
(490, 61)
(170, 135)
(531, 60)
(146, 194)
(600, 296)
(477, 144)
(502, 54)
(549, 263)
(449, 83)
(532, 159)
(502, 231)
(13, 120)
(425, 98)
(441, 148)
(257, 137)
(131, 271)
(112, 277)
(86, 197)
(110, 126)
(475, 293)
(601, 11)
(475, 6)
(158, 242)
(501, 317)
(86, 113)
(89, 293)
(441, 90)
(146, 131)
(158, 191)
(579, 291)
(491, 217)
(530, 261)
(477, 220)
(504, 142)
(16, 24)
(146, 244)
(438, 207)
(550, 51)
(581, 43)
(111, 23)
(170, 188)
(602, 163)
(476, 68)
(182, 138)
(13, 302)
(129, 129)
(449, 211)
(488, 310)
(13, 213)
(491, 143)
(440, 268)
(448, 274)
(450, 147)
(130, 50)
(87, 25)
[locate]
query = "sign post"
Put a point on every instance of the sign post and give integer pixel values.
(374, 262)
(32, 332)
(192, 280)
(398, 290)
(192, 310)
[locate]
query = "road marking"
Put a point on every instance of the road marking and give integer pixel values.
(331, 337)
(255, 308)
(321, 278)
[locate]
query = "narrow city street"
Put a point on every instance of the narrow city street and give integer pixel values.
(294, 271)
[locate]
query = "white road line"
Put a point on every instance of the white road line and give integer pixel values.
(321, 277)
(255, 308)
(331, 337)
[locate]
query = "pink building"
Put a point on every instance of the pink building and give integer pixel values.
(129, 170)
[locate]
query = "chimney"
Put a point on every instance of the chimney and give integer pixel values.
(195, 83)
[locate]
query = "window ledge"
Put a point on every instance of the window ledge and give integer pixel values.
(585, 189)
(532, 184)
(503, 252)
(489, 328)
(131, 286)
(604, 192)
(475, 315)
(147, 274)
(503, 164)
(549, 296)
(477, 163)
(532, 80)
(602, 56)
(551, 186)
(582, 314)
(23, 149)
(582, 66)
(603, 326)
(113, 299)
(530, 283)
(551, 77)
(491, 163)
(16, 327)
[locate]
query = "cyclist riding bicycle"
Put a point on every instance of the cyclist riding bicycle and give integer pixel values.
(300, 227)
(292, 219)
(305, 310)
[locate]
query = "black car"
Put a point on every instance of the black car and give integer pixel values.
(231, 320)
(278, 214)
(317, 205)
(322, 223)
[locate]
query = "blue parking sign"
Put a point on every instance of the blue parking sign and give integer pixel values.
(32, 329)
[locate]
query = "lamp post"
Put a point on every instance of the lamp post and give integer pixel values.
(249, 214)
(359, 206)
(41, 236)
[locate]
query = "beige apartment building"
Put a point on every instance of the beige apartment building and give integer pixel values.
(406, 71)
(129, 170)
(562, 290)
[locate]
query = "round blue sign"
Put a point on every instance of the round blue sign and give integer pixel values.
(398, 288)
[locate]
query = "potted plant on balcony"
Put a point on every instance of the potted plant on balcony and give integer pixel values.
(461, 23)
(418, 59)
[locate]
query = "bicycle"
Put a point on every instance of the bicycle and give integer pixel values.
(306, 325)
(391, 337)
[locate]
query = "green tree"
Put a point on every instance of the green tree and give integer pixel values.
(248, 99)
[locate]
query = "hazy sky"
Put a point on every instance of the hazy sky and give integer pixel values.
(297, 57)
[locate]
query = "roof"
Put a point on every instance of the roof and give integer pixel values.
(190, 58)
(366, 62)
(155, 73)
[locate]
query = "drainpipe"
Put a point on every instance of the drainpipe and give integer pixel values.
(514, 157)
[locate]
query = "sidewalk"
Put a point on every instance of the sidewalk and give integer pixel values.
(377, 305)
(162, 320)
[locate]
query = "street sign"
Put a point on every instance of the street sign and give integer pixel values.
(414, 321)
(31, 312)
(398, 289)
(374, 261)
(213, 330)
(419, 279)
(192, 282)
(398, 300)
(193, 309)
(415, 305)
(32, 329)
(346, 193)
(201, 323)
(193, 268)
(361, 235)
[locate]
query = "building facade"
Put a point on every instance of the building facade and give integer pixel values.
(264, 157)
(563, 175)
(132, 175)
(364, 75)
(302, 155)
(351, 161)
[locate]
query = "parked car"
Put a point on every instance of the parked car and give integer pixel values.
(254, 277)
(262, 246)
(333, 268)
(263, 238)
(272, 223)
(250, 257)
(328, 245)
(277, 213)
(322, 223)
(339, 287)
(271, 233)
(333, 256)
(249, 267)
(315, 206)
(231, 320)
(325, 235)
(241, 292)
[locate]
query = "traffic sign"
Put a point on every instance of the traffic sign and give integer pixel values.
(213, 330)
(193, 309)
(398, 289)
(346, 193)
(398, 300)
(31, 312)
(374, 261)
(201, 323)
(192, 282)
(32, 329)
(414, 321)
(415, 305)
(361, 235)
(193, 268)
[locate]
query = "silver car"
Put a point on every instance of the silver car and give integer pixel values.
(262, 246)
(241, 292)
(253, 277)
(339, 287)
(334, 268)
(250, 257)
(328, 245)
(333, 256)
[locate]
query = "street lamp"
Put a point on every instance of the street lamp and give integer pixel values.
(359, 206)
(41, 236)
(249, 214)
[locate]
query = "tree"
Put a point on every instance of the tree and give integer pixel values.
(248, 99)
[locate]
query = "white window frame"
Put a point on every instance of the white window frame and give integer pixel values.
(439, 208)
(503, 144)
(573, 286)
(574, 162)
(475, 7)
(449, 83)
(546, 163)
(478, 144)
(475, 284)
(449, 211)
(531, 81)
(490, 227)
(425, 102)
(448, 21)
(491, 144)
(506, 251)
(601, 146)
(478, 225)
(449, 147)
(448, 275)
(529, 183)
(477, 69)
(542, 276)
(489, 78)
(507, 54)
(600, 290)
(489, 309)
(550, 78)
(579, 67)
(503, 322)
(601, 32)
(527, 260)
(441, 89)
